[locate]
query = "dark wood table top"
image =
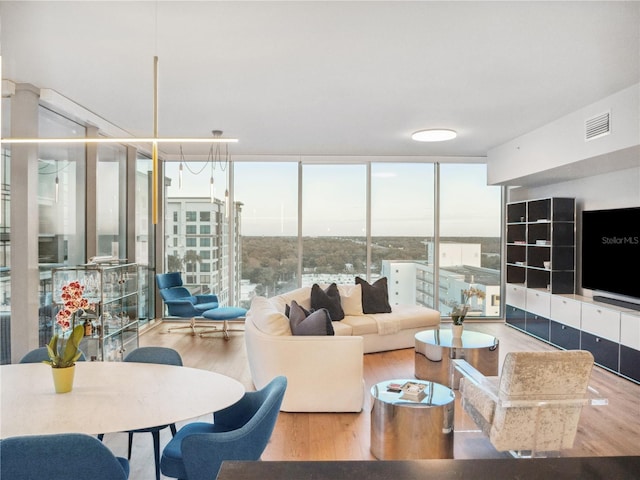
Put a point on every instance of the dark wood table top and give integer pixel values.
(565, 468)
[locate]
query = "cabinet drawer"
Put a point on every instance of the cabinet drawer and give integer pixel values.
(538, 303)
(516, 295)
(564, 336)
(630, 363)
(538, 326)
(600, 321)
(566, 311)
(516, 317)
(605, 352)
(630, 330)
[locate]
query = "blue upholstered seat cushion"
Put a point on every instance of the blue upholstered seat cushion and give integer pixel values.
(224, 313)
(203, 307)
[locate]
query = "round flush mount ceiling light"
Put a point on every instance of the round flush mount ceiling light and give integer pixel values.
(434, 135)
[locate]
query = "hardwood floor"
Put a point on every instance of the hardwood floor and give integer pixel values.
(604, 430)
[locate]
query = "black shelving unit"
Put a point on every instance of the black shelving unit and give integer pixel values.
(541, 244)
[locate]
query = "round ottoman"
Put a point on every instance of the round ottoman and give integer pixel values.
(223, 314)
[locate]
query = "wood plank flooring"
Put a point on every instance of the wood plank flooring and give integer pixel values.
(604, 430)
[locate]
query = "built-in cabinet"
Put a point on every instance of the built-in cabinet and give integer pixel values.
(111, 324)
(571, 322)
(611, 334)
(540, 299)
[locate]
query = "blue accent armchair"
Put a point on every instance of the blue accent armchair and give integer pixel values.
(180, 302)
(161, 355)
(239, 432)
(60, 457)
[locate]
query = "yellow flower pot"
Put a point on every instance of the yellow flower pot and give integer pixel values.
(63, 378)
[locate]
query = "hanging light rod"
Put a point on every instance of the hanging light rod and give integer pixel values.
(120, 140)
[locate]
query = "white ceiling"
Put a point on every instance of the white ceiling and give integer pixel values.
(327, 78)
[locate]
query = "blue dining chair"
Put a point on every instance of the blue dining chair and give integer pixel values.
(59, 457)
(161, 355)
(42, 355)
(180, 302)
(239, 432)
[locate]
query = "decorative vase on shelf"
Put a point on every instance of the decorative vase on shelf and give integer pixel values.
(63, 378)
(457, 330)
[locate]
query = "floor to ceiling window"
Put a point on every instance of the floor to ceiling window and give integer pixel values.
(268, 193)
(470, 239)
(111, 201)
(145, 241)
(5, 240)
(402, 228)
(196, 225)
(61, 200)
(334, 209)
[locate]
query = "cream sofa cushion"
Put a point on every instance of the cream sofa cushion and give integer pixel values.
(361, 324)
(342, 329)
(351, 299)
(267, 318)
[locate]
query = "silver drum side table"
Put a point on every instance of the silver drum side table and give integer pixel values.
(434, 350)
(405, 429)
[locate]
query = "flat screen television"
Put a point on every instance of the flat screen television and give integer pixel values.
(611, 255)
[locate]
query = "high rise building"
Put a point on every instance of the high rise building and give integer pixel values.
(198, 243)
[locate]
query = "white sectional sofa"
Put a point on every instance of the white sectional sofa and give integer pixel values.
(325, 372)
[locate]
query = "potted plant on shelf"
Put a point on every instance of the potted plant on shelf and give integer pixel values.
(460, 311)
(64, 349)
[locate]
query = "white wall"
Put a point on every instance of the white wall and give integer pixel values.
(560, 145)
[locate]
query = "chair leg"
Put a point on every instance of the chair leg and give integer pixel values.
(100, 436)
(191, 326)
(173, 429)
(130, 444)
(225, 328)
(156, 451)
(212, 330)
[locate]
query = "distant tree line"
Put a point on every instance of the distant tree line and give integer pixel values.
(272, 262)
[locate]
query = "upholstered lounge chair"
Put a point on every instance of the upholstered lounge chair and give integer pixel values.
(534, 405)
(181, 303)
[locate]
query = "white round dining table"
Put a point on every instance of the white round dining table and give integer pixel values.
(109, 397)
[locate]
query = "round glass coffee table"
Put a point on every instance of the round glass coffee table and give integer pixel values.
(435, 350)
(415, 427)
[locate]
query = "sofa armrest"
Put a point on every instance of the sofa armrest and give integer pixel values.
(324, 373)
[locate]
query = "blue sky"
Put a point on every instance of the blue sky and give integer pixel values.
(334, 198)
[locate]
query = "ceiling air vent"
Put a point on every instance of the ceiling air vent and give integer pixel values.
(597, 126)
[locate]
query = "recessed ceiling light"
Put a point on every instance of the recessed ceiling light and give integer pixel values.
(434, 135)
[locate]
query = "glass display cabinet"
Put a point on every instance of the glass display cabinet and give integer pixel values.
(111, 323)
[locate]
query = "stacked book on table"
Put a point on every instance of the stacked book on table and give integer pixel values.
(410, 390)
